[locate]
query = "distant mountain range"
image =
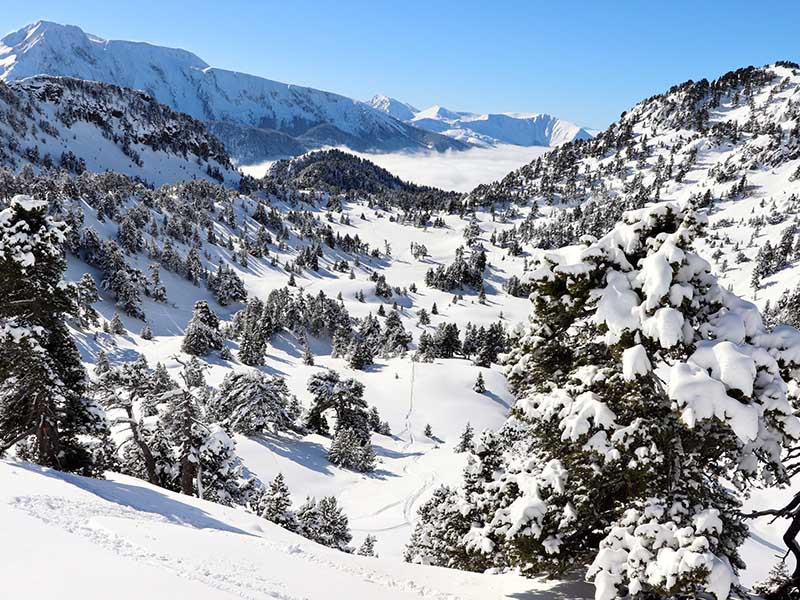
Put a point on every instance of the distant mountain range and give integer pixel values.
(521, 129)
(259, 119)
(255, 117)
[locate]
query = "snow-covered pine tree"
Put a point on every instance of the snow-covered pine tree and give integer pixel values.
(252, 338)
(202, 333)
(252, 402)
(367, 547)
(466, 442)
(117, 327)
(359, 354)
(276, 504)
(350, 451)
(43, 408)
(334, 528)
(644, 389)
(183, 424)
(227, 286)
(480, 386)
(87, 295)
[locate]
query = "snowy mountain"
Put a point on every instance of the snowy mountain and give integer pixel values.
(394, 108)
(84, 125)
(486, 130)
(186, 83)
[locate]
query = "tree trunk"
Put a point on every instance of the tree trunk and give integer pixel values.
(790, 539)
(187, 475)
(147, 455)
(47, 445)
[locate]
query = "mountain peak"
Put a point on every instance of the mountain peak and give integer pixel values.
(393, 107)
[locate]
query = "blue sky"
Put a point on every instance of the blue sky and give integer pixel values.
(584, 61)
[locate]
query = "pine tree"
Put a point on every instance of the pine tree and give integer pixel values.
(43, 408)
(465, 442)
(185, 428)
(349, 450)
(333, 528)
(276, 503)
(252, 402)
(422, 317)
(252, 336)
(428, 433)
(359, 354)
(367, 547)
(117, 327)
(146, 333)
(86, 296)
(202, 333)
(308, 356)
(479, 386)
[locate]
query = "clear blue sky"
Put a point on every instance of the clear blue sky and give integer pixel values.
(584, 61)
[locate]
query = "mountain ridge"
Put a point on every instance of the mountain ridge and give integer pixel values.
(186, 83)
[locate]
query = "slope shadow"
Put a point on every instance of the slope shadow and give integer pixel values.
(140, 498)
(311, 455)
(571, 589)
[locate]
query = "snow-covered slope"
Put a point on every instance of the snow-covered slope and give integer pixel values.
(186, 83)
(486, 130)
(731, 145)
(126, 538)
(58, 122)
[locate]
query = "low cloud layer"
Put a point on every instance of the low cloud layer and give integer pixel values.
(459, 171)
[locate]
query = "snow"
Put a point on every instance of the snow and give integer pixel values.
(635, 362)
(699, 396)
(142, 541)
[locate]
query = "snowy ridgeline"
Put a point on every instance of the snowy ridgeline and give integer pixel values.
(74, 125)
(257, 118)
(388, 274)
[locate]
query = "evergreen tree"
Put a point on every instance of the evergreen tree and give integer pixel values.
(350, 451)
(428, 433)
(367, 547)
(252, 335)
(117, 327)
(465, 442)
(479, 386)
(202, 333)
(146, 333)
(359, 354)
(43, 408)
(86, 296)
(422, 317)
(252, 402)
(276, 504)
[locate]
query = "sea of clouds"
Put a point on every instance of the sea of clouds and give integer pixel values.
(451, 170)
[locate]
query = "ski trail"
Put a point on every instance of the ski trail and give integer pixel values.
(238, 577)
(80, 518)
(410, 500)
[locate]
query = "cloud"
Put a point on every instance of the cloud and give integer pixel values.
(451, 170)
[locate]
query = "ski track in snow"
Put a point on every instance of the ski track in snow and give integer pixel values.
(80, 518)
(238, 577)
